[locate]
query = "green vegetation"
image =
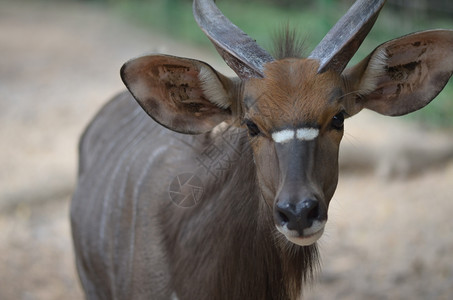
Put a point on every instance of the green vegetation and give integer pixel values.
(261, 19)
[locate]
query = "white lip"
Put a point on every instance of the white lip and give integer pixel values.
(311, 235)
(306, 241)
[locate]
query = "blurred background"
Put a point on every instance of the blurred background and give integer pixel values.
(390, 234)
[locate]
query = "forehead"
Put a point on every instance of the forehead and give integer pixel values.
(292, 94)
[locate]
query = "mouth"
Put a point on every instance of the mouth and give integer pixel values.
(309, 237)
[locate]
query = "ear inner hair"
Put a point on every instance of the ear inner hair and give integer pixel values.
(213, 88)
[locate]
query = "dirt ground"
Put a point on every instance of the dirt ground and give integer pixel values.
(389, 235)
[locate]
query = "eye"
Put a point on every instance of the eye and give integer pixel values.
(253, 129)
(338, 120)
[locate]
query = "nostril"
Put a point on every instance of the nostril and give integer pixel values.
(284, 214)
(313, 212)
(283, 218)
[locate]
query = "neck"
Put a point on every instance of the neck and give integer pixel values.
(258, 263)
(234, 249)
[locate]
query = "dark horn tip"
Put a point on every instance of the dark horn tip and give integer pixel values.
(337, 48)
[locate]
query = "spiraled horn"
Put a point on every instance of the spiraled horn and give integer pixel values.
(342, 41)
(239, 51)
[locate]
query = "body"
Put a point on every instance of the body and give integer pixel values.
(140, 225)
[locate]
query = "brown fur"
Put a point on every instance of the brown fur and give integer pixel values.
(292, 92)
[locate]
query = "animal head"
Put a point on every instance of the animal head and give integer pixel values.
(293, 107)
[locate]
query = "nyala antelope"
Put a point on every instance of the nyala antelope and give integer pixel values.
(256, 154)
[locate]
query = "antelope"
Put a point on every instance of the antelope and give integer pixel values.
(194, 185)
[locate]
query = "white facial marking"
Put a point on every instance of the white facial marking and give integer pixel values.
(311, 235)
(315, 227)
(307, 134)
(283, 136)
(303, 134)
(306, 241)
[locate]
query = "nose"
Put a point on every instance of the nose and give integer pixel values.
(298, 215)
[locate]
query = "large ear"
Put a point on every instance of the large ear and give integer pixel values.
(184, 95)
(402, 75)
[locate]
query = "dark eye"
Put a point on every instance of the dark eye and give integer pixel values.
(338, 120)
(253, 129)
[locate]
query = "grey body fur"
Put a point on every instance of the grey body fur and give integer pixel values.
(132, 242)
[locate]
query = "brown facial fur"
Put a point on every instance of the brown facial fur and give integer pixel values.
(292, 94)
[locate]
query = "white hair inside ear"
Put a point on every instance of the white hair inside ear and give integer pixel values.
(375, 69)
(212, 87)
